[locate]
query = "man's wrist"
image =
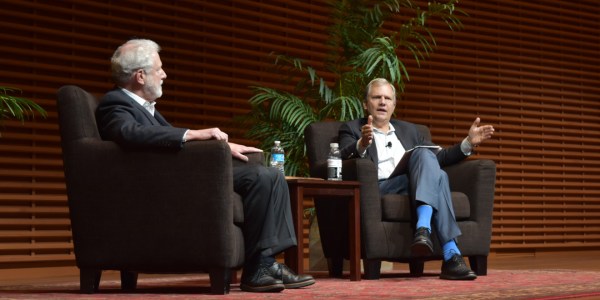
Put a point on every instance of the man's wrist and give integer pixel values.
(361, 149)
(466, 147)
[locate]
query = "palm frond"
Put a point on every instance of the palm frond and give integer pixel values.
(17, 107)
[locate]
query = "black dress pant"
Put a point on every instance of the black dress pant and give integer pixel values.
(268, 228)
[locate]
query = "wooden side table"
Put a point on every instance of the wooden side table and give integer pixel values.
(311, 187)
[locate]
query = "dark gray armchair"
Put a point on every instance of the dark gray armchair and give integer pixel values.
(150, 211)
(387, 222)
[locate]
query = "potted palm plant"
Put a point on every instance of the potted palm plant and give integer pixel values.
(362, 49)
(15, 107)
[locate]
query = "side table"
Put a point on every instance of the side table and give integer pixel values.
(311, 187)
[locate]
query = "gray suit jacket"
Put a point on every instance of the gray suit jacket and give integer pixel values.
(407, 133)
(123, 120)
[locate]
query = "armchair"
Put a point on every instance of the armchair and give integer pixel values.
(387, 222)
(147, 211)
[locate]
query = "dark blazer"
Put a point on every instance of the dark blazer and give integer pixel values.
(121, 119)
(407, 133)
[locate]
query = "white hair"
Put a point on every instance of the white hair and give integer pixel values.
(131, 56)
(379, 82)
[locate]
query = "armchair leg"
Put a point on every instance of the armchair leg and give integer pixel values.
(416, 267)
(128, 280)
(89, 280)
(372, 268)
(335, 266)
(220, 281)
(478, 264)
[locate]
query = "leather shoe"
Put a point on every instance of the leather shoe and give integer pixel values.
(422, 245)
(259, 279)
(456, 269)
(289, 278)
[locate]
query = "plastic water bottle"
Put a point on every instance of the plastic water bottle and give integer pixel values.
(334, 163)
(278, 157)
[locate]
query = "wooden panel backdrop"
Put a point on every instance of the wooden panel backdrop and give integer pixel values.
(529, 67)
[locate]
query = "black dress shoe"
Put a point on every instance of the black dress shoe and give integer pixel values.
(422, 245)
(456, 269)
(289, 278)
(260, 280)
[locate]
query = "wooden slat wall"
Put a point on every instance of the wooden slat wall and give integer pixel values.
(528, 67)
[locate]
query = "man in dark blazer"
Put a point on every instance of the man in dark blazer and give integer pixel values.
(384, 141)
(127, 116)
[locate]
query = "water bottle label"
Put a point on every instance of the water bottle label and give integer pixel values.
(334, 169)
(278, 157)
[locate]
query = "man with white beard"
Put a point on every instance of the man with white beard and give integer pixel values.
(127, 116)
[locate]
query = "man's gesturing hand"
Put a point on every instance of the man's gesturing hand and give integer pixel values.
(478, 134)
(367, 133)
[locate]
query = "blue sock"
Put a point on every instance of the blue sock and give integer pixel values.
(450, 249)
(424, 213)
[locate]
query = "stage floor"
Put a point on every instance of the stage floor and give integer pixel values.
(572, 260)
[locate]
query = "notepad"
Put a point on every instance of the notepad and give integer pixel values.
(402, 166)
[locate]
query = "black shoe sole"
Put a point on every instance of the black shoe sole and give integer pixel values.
(300, 284)
(421, 249)
(470, 276)
(274, 288)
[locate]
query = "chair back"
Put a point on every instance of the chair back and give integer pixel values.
(76, 109)
(317, 137)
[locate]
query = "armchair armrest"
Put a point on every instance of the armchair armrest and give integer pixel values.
(253, 158)
(365, 172)
(476, 178)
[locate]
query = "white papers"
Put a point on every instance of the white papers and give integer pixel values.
(402, 166)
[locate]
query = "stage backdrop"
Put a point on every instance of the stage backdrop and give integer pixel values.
(531, 68)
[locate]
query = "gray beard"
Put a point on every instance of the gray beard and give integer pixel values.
(154, 91)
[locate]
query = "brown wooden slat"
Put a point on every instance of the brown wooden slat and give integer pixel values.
(37, 210)
(35, 246)
(547, 206)
(35, 234)
(37, 258)
(543, 198)
(33, 185)
(547, 246)
(35, 222)
(546, 230)
(38, 198)
(547, 238)
(59, 174)
(537, 220)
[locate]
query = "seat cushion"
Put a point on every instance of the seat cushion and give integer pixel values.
(396, 208)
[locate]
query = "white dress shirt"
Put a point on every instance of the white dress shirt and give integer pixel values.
(389, 151)
(148, 105)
